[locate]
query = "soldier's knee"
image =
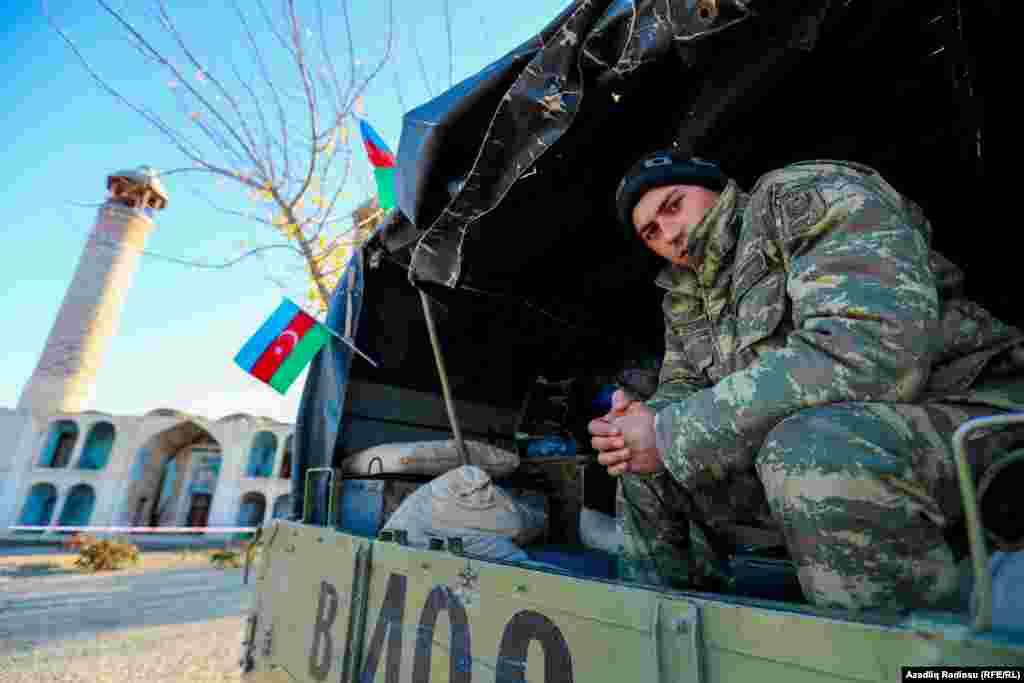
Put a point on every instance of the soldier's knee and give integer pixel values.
(798, 437)
(812, 442)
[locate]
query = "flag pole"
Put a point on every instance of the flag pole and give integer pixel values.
(336, 335)
(350, 345)
(445, 389)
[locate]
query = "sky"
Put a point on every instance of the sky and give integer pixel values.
(180, 326)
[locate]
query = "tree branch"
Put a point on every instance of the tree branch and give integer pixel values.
(297, 155)
(114, 244)
(422, 65)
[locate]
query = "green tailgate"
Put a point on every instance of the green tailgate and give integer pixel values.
(421, 615)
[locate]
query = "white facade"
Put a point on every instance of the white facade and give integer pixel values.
(62, 464)
(158, 469)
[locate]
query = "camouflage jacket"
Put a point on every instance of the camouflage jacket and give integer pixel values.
(818, 287)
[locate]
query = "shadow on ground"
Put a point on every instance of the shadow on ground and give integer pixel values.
(35, 570)
(53, 603)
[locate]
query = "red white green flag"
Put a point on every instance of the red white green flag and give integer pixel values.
(385, 168)
(283, 346)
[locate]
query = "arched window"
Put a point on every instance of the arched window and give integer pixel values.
(59, 444)
(78, 506)
(252, 510)
(38, 509)
(98, 445)
(282, 507)
(286, 458)
(261, 455)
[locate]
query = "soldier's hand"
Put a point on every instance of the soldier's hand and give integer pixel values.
(639, 454)
(606, 436)
(620, 404)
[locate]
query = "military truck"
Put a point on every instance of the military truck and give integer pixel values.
(501, 299)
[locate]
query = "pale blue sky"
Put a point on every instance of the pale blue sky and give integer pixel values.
(180, 327)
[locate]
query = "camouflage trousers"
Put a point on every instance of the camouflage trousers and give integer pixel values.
(864, 495)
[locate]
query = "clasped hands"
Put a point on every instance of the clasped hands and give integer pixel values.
(624, 438)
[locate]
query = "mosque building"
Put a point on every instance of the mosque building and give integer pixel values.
(63, 464)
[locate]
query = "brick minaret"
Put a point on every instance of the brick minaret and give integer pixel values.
(64, 379)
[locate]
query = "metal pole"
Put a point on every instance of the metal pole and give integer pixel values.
(439, 359)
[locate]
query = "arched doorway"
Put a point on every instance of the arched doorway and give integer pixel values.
(206, 465)
(162, 512)
(173, 477)
(38, 508)
(199, 510)
(78, 507)
(252, 509)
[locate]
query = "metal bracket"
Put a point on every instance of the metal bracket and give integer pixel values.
(249, 643)
(972, 514)
(359, 606)
(266, 547)
(250, 552)
(268, 640)
(332, 497)
(677, 641)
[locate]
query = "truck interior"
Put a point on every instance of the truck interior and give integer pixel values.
(553, 300)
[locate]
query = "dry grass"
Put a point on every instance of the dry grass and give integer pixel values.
(107, 555)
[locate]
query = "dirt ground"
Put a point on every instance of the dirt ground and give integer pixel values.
(204, 652)
(183, 624)
(19, 566)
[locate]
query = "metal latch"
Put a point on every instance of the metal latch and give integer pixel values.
(250, 552)
(268, 640)
(249, 643)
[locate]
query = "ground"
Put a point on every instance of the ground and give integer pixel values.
(172, 619)
(43, 562)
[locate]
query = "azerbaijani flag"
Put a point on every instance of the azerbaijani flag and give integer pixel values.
(283, 346)
(384, 166)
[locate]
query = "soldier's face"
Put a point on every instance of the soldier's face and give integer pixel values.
(665, 215)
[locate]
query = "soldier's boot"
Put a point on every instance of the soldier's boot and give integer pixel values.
(865, 493)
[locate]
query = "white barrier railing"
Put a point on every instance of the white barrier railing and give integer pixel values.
(143, 529)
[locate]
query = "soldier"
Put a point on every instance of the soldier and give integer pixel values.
(819, 356)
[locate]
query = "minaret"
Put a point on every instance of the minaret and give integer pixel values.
(64, 380)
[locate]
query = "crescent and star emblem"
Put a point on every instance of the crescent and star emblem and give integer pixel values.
(279, 349)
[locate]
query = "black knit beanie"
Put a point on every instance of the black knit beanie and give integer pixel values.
(661, 168)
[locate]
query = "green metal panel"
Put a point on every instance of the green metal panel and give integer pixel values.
(606, 630)
(304, 584)
(791, 642)
(417, 616)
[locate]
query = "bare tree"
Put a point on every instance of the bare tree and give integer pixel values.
(277, 126)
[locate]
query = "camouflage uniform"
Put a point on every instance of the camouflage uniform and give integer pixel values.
(818, 360)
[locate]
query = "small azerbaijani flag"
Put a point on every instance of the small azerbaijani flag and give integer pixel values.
(384, 166)
(283, 346)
